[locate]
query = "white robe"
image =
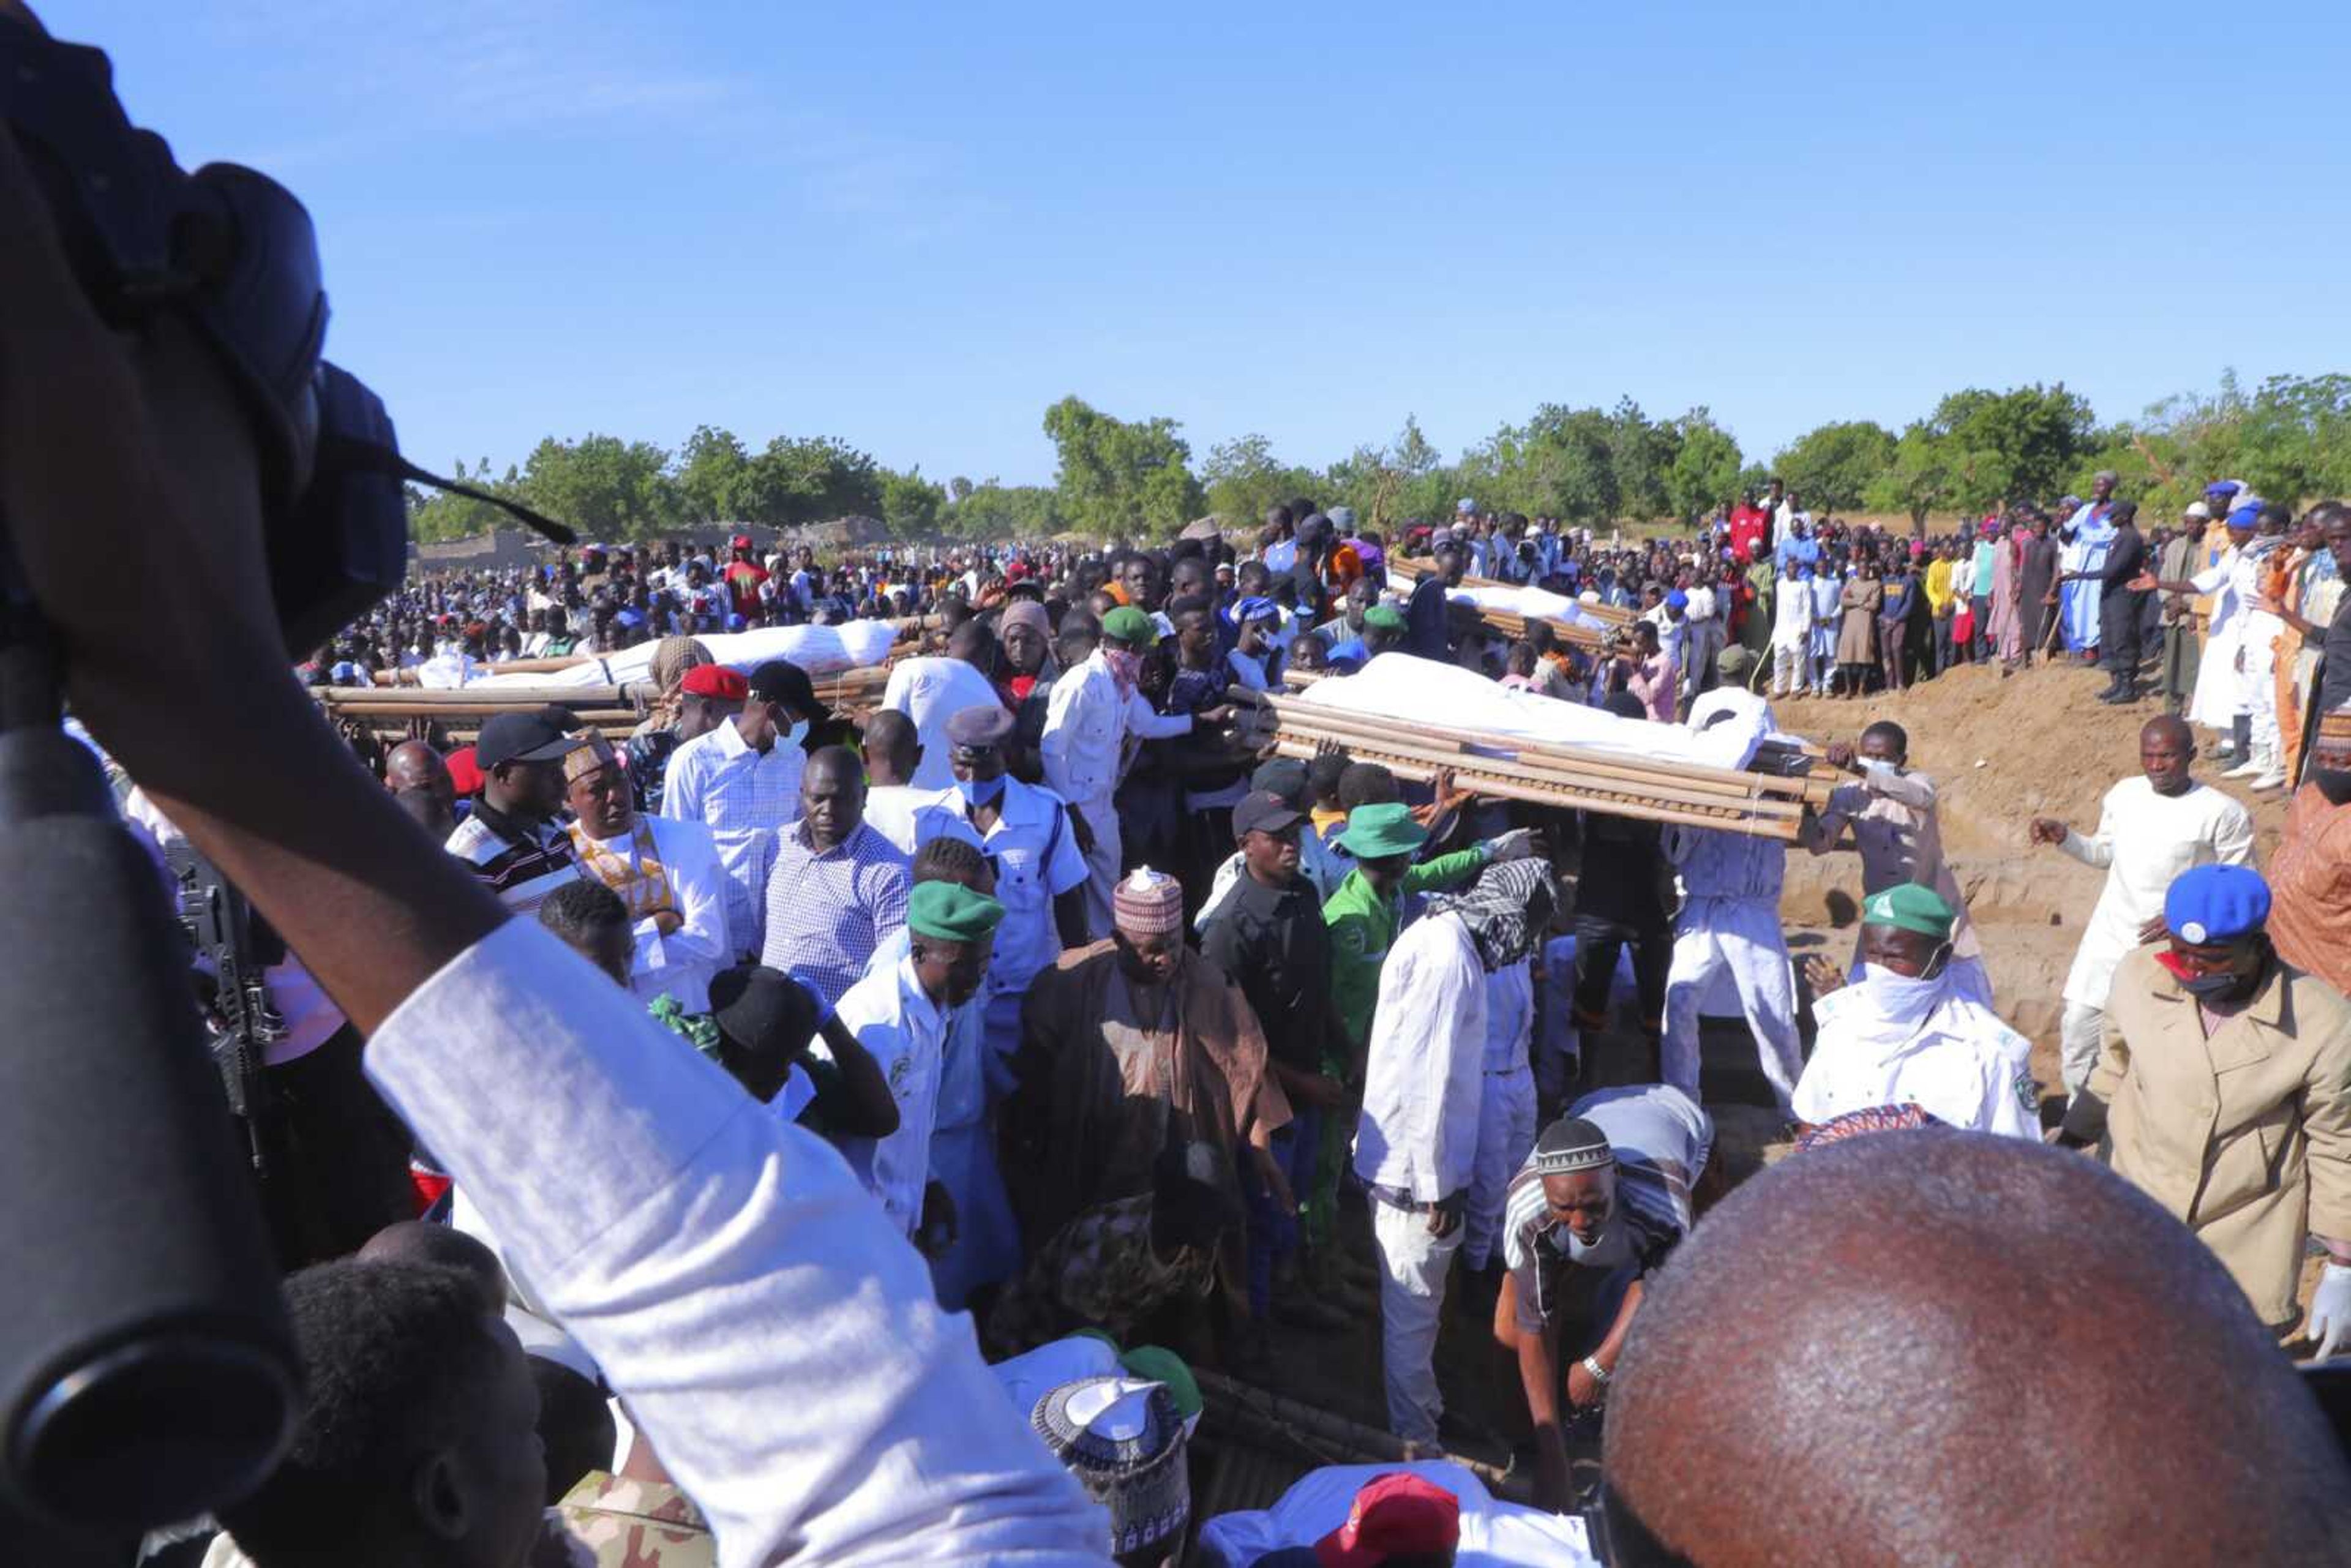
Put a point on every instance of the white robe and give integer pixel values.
(2145, 839)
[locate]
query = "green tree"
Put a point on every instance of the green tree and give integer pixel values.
(1242, 478)
(1705, 469)
(1562, 463)
(2016, 445)
(713, 476)
(1120, 477)
(811, 479)
(994, 511)
(438, 515)
(911, 504)
(602, 486)
(1640, 458)
(1922, 478)
(1832, 468)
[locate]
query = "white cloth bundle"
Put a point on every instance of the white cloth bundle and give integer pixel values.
(819, 650)
(1424, 691)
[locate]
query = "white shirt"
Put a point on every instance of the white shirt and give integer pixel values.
(911, 817)
(671, 1223)
(2145, 839)
(1086, 728)
(1421, 1082)
(1791, 614)
(742, 796)
(931, 692)
(681, 964)
(1887, 1040)
(1963, 575)
(1035, 851)
(907, 1033)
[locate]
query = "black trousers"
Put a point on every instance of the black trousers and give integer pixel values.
(2119, 614)
(337, 1158)
(1598, 941)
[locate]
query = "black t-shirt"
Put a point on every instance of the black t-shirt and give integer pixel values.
(1274, 945)
(2334, 678)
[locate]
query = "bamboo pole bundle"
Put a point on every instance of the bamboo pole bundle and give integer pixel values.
(1540, 774)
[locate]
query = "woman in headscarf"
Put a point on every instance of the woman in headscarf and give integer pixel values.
(646, 755)
(2007, 606)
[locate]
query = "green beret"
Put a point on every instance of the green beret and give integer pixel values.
(951, 912)
(1909, 907)
(1128, 624)
(1386, 617)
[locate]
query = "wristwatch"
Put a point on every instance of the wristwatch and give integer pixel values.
(1599, 1374)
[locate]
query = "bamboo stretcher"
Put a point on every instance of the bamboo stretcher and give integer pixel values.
(1510, 624)
(614, 709)
(1540, 773)
(1412, 570)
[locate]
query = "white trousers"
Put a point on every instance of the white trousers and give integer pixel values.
(2081, 1031)
(1102, 864)
(1413, 1266)
(1742, 936)
(1506, 1136)
(1788, 669)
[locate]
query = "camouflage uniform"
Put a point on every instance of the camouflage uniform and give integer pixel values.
(611, 1522)
(1099, 1270)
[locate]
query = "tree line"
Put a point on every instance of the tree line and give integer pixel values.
(2289, 438)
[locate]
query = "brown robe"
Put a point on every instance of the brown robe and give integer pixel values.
(1110, 1072)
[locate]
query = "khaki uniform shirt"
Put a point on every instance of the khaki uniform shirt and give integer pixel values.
(2245, 1135)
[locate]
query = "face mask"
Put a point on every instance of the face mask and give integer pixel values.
(2210, 988)
(979, 791)
(798, 733)
(1901, 996)
(1578, 1250)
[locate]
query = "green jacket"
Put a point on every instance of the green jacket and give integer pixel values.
(1363, 924)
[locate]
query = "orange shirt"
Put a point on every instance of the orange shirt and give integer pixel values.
(2310, 888)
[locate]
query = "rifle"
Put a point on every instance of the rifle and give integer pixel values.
(240, 1023)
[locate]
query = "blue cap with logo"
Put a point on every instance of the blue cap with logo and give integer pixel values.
(2208, 906)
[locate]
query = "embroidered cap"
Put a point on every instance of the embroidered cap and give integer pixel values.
(1571, 1144)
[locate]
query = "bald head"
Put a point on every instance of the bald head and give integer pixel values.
(415, 764)
(1974, 1350)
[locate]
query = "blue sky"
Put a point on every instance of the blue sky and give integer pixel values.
(914, 226)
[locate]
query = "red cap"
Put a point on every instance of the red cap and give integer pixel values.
(1399, 1514)
(464, 771)
(1015, 571)
(716, 681)
(740, 541)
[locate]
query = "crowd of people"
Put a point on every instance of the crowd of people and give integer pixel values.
(1143, 1040)
(779, 1135)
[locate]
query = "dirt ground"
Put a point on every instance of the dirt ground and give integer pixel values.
(2001, 751)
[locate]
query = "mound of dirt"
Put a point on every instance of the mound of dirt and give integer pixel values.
(2002, 752)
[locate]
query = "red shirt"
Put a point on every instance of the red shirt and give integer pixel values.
(743, 580)
(1749, 527)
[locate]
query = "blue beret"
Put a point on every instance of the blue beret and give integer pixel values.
(1677, 600)
(981, 726)
(2210, 905)
(2245, 517)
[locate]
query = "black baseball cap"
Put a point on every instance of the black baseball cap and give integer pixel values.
(1264, 811)
(521, 737)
